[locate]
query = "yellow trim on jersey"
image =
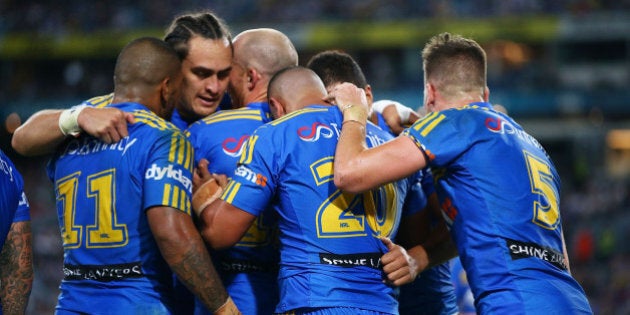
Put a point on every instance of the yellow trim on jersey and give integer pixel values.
(428, 123)
(432, 125)
(100, 101)
(153, 120)
(296, 113)
(190, 153)
(174, 202)
(180, 151)
(185, 203)
(177, 198)
(424, 120)
(252, 114)
(247, 156)
(167, 194)
(230, 191)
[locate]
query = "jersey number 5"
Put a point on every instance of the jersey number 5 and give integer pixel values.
(546, 212)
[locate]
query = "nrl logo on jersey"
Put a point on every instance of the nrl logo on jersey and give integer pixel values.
(314, 132)
(233, 147)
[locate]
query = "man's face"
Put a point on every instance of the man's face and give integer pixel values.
(206, 72)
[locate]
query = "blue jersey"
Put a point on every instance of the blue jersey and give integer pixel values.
(105, 100)
(330, 251)
(382, 123)
(465, 300)
(13, 203)
(112, 264)
(499, 192)
(248, 269)
(432, 292)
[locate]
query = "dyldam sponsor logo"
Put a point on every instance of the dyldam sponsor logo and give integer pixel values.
(158, 173)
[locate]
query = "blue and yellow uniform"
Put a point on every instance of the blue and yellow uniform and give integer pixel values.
(112, 264)
(104, 100)
(499, 192)
(249, 270)
(432, 292)
(330, 250)
(13, 203)
(184, 299)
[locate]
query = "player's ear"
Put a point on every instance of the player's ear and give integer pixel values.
(486, 94)
(429, 97)
(276, 107)
(253, 78)
(368, 94)
(164, 87)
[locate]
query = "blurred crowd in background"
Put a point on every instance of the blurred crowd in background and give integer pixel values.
(596, 186)
(52, 18)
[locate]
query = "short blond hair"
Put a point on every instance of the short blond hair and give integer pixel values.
(454, 64)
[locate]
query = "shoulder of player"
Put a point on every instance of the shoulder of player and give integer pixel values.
(99, 101)
(298, 116)
(231, 115)
(149, 121)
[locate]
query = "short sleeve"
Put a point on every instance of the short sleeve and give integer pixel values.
(168, 177)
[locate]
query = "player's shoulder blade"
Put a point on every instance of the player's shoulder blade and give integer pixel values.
(153, 121)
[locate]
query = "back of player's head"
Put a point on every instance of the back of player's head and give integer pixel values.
(334, 67)
(296, 86)
(203, 24)
(145, 62)
(454, 63)
(265, 49)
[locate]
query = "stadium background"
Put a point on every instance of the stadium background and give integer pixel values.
(561, 68)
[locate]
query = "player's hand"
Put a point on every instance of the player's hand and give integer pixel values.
(399, 267)
(106, 124)
(229, 308)
(202, 175)
(396, 115)
(207, 187)
(348, 96)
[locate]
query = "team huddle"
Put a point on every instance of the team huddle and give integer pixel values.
(221, 177)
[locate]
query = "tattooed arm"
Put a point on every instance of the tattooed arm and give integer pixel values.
(183, 249)
(16, 269)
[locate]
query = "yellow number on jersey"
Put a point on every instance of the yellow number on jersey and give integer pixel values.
(106, 231)
(546, 212)
(336, 216)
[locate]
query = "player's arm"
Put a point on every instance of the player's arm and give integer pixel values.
(46, 129)
(428, 245)
(396, 115)
(184, 251)
(222, 224)
(16, 268)
(357, 168)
